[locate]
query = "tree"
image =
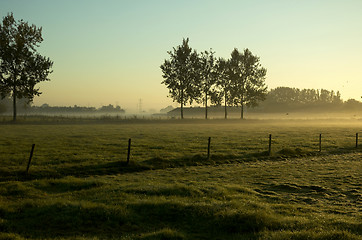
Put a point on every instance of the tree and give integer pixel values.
(207, 71)
(248, 79)
(180, 74)
(284, 95)
(223, 84)
(308, 96)
(21, 66)
(337, 98)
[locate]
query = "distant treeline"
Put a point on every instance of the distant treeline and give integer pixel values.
(25, 108)
(283, 99)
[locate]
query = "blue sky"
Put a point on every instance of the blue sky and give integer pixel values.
(109, 52)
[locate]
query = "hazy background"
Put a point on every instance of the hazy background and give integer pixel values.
(109, 52)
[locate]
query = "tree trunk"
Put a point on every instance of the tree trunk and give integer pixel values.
(182, 104)
(242, 105)
(205, 105)
(182, 110)
(242, 110)
(14, 104)
(226, 113)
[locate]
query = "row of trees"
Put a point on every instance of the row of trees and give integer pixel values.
(286, 99)
(45, 108)
(304, 96)
(26, 108)
(21, 66)
(203, 78)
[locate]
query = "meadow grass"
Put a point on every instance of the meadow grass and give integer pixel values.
(79, 186)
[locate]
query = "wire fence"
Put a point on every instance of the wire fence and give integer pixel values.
(142, 148)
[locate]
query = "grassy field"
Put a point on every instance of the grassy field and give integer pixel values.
(79, 186)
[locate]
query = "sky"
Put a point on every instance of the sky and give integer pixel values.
(110, 51)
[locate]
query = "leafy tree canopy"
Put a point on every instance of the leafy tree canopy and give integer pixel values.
(180, 74)
(21, 66)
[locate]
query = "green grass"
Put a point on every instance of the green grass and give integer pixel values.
(79, 186)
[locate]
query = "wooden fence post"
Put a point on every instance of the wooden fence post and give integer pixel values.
(31, 156)
(356, 140)
(208, 149)
(129, 151)
(270, 140)
(320, 142)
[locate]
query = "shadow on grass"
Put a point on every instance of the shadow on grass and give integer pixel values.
(142, 220)
(152, 220)
(62, 219)
(109, 168)
(121, 167)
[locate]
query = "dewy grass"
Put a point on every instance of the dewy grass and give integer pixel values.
(78, 186)
(86, 144)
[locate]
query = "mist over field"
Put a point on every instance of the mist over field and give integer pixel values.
(282, 102)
